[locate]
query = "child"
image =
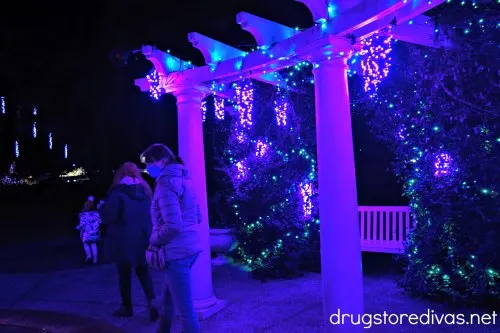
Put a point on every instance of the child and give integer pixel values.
(89, 229)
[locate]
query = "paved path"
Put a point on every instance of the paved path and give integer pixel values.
(276, 306)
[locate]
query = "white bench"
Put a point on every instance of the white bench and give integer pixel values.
(384, 228)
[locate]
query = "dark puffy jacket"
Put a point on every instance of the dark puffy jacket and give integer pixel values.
(127, 216)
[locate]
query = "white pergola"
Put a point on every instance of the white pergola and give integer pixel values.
(328, 44)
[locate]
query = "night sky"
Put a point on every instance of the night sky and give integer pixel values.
(57, 55)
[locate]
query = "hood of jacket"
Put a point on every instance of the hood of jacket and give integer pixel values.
(132, 188)
(173, 170)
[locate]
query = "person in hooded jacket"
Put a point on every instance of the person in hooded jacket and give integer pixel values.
(176, 218)
(127, 216)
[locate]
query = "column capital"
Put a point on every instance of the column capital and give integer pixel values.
(328, 50)
(191, 94)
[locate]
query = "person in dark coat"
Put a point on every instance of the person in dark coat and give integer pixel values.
(127, 216)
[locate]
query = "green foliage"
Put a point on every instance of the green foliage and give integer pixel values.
(447, 101)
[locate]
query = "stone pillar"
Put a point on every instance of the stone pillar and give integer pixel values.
(338, 206)
(191, 150)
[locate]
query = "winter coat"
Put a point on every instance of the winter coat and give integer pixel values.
(89, 227)
(175, 214)
(127, 216)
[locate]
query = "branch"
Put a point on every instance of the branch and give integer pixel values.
(472, 106)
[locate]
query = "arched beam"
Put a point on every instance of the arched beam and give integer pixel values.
(164, 62)
(265, 32)
(213, 51)
(321, 10)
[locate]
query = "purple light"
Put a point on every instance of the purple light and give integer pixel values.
(219, 107)
(280, 110)
(442, 164)
(401, 133)
(155, 88)
(262, 148)
(242, 170)
(203, 110)
(244, 100)
(306, 190)
(375, 60)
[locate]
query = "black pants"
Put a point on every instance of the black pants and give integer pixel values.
(125, 281)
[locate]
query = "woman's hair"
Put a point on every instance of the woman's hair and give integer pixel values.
(130, 169)
(89, 205)
(158, 152)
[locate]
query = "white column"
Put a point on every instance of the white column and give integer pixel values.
(191, 150)
(338, 206)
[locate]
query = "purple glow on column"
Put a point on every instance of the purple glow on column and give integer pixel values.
(155, 88)
(65, 151)
(34, 131)
(442, 164)
(262, 148)
(50, 140)
(16, 147)
(244, 100)
(375, 59)
(203, 110)
(219, 107)
(3, 104)
(306, 191)
(280, 110)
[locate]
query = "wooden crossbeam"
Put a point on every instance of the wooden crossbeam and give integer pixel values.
(215, 52)
(420, 31)
(408, 25)
(286, 52)
(265, 32)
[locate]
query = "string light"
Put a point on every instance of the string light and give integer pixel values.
(261, 148)
(375, 59)
(419, 119)
(442, 164)
(306, 191)
(50, 140)
(280, 109)
(2, 99)
(34, 130)
(204, 110)
(219, 107)
(35, 111)
(155, 87)
(65, 151)
(16, 149)
(244, 98)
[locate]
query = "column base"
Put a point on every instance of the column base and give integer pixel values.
(208, 307)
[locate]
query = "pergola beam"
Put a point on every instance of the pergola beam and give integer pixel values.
(421, 31)
(408, 25)
(265, 32)
(215, 52)
(286, 52)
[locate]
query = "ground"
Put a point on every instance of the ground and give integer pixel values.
(52, 278)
